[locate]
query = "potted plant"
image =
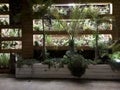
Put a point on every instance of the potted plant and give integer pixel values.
(77, 64)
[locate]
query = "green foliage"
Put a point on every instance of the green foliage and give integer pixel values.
(74, 24)
(11, 33)
(43, 8)
(115, 46)
(28, 62)
(57, 26)
(53, 62)
(77, 64)
(4, 60)
(3, 8)
(115, 55)
(115, 60)
(3, 22)
(36, 28)
(10, 44)
(95, 16)
(48, 39)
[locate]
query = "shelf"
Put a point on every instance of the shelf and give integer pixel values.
(59, 48)
(85, 48)
(11, 38)
(51, 32)
(100, 32)
(4, 1)
(11, 50)
(80, 4)
(106, 32)
(10, 26)
(67, 17)
(66, 8)
(87, 17)
(4, 13)
(64, 32)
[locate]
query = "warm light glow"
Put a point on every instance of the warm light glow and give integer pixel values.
(111, 9)
(117, 60)
(71, 4)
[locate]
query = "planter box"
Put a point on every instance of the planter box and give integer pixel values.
(4, 70)
(39, 70)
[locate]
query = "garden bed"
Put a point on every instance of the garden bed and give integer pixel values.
(38, 70)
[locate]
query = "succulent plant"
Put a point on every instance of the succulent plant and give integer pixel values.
(11, 45)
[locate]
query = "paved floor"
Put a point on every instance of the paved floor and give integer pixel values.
(10, 83)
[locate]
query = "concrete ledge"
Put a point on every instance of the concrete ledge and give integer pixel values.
(39, 70)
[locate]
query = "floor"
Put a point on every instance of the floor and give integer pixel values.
(10, 83)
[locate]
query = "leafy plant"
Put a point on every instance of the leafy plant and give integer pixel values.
(77, 64)
(40, 7)
(115, 55)
(95, 16)
(4, 7)
(56, 25)
(54, 62)
(11, 44)
(115, 46)
(4, 60)
(49, 40)
(36, 28)
(3, 22)
(11, 32)
(71, 27)
(115, 60)
(22, 62)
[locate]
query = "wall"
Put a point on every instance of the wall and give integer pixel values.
(27, 49)
(27, 23)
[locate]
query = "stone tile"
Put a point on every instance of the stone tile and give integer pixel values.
(11, 83)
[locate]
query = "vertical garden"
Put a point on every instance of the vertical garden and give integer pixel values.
(59, 34)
